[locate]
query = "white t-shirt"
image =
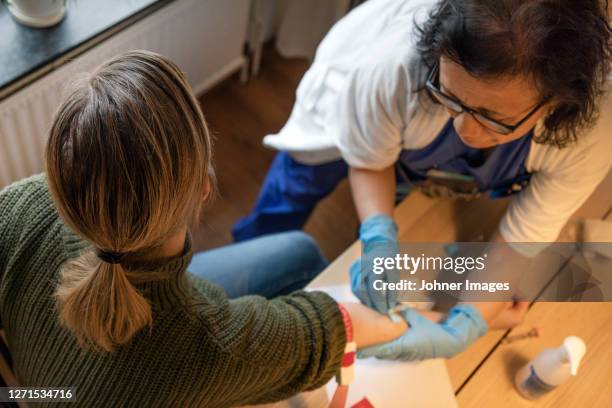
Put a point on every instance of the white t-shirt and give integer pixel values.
(358, 101)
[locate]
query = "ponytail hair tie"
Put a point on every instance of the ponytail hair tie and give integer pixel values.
(110, 257)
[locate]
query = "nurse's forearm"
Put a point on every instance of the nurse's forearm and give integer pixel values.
(373, 191)
(501, 315)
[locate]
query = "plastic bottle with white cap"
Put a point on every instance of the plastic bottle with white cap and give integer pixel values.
(552, 367)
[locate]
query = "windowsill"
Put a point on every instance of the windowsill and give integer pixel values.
(29, 53)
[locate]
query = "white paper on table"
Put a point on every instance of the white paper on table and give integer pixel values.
(386, 384)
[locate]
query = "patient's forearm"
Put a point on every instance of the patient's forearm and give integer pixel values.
(371, 327)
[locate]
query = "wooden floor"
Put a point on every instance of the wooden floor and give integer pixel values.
(239, 117)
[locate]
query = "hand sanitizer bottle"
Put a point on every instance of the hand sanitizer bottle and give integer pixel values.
(552, 367)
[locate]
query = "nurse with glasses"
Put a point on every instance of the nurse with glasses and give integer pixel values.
(441, 96)
(458, 98)
(403, 94)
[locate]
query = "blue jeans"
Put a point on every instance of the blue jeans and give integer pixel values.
(271, 265)
(288, 195)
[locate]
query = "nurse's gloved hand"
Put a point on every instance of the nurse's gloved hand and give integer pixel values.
(425, 339)
(378, 234)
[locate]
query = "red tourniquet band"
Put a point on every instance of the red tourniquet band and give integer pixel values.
(347, 369)
(348, 323)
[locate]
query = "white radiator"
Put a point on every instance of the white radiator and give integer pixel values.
(204, 37)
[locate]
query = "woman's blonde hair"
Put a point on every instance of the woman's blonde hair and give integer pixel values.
(128, 160)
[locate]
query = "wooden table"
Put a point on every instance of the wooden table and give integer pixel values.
(482, 376)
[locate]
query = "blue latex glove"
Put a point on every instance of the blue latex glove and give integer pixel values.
(378, 234)
(426, 339)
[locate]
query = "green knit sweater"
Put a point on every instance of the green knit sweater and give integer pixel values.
(202, 350)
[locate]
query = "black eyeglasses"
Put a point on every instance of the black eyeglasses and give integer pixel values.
(457, 107)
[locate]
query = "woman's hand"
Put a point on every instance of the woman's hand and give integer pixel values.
(465, 323)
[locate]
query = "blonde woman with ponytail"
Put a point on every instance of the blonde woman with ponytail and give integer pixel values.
(100, 289)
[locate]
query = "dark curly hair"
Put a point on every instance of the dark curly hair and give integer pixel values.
(564, 45)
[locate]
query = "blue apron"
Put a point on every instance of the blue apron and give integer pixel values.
(501, 174)
(291, 189)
